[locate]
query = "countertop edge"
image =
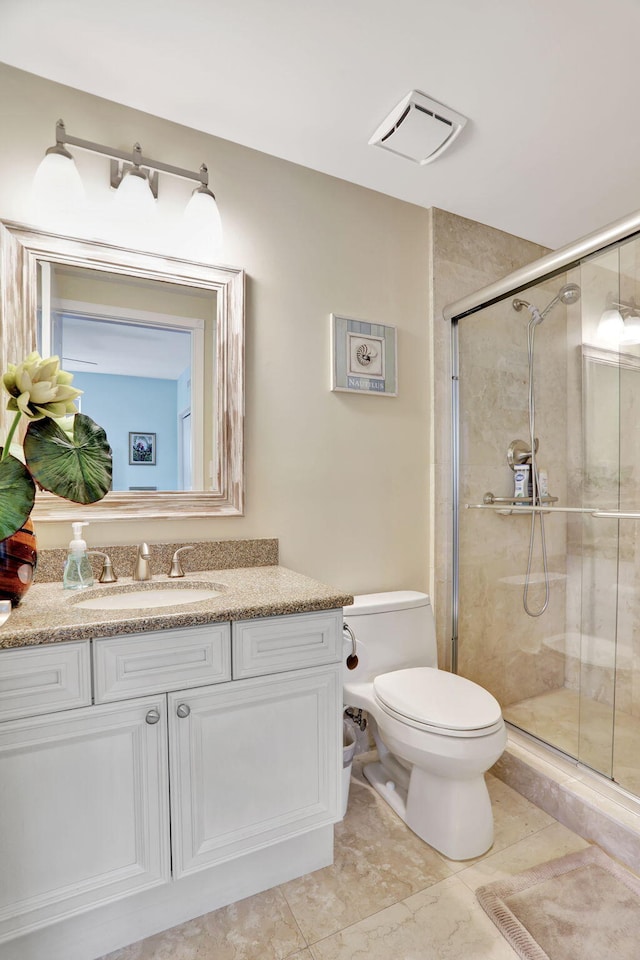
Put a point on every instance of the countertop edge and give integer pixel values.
(253, 592)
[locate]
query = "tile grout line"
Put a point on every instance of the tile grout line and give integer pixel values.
(295, 920)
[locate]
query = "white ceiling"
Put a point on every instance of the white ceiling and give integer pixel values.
(550, 88)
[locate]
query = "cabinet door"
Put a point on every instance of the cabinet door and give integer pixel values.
(252, 762)
(83, 810)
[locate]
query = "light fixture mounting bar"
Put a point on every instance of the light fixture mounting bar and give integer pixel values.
(133, 157)
(624, 305)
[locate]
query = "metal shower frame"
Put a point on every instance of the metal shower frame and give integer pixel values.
(545, 268)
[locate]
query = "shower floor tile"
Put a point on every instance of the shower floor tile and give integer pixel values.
(584, 729)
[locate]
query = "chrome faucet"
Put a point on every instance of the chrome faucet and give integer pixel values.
(142, 569)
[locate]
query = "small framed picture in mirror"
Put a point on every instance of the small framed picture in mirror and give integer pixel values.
(142, 448)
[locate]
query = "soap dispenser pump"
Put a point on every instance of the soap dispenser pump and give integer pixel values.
(77, 570)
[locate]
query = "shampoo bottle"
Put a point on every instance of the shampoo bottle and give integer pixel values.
(77, 569)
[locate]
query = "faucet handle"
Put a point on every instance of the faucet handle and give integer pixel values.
(107, 574)
(176, 567)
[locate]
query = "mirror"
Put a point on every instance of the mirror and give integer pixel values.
(157, 346)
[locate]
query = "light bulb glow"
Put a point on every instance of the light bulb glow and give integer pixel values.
(202, 226)
(134, 194)
(631, 331)
(57, 194)
(610, 327)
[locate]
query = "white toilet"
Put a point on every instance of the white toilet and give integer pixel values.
(436, 733)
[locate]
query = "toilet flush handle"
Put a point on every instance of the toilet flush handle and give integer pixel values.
(352, 659)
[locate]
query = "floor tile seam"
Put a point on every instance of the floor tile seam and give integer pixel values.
(513, 843)
(381, 910)
(348, 926)
(375, 911)
(369, 916)
(295, 920)
(503, 850)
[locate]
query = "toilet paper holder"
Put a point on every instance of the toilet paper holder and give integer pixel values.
(352, 659)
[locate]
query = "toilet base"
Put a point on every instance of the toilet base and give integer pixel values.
(452, 816)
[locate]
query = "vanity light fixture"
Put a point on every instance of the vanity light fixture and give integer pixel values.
(134, 176)
(619, 324)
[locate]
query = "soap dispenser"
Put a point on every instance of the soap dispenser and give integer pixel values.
(77, 569)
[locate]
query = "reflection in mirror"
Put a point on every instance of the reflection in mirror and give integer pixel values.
(157, 346)
(142, 351)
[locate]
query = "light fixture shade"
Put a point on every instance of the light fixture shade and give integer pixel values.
(134, 194)
(631, 332)
(58, 194)
(610, 327)
(202, 225)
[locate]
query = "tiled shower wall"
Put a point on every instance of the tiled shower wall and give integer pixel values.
(514, 655)
(465, 256)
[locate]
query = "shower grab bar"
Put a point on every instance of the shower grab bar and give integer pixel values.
(588, 511)
(489, 498)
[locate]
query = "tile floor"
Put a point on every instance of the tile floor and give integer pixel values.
(388, 896)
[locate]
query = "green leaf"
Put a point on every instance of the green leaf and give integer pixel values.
(76, 466)
(17, 493)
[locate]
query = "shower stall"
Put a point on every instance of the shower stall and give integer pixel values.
(546, 464)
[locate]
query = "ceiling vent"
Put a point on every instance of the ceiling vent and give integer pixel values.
(418, 128)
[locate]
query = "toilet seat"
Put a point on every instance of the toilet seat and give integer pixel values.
(438, 702)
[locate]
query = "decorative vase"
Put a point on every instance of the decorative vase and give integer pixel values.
(18, 558)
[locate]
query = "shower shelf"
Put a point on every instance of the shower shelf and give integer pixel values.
(507, 506)
(489, 498)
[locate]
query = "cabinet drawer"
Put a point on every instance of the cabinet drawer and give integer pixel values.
(275, 644)
(146, 663)
(44, 679)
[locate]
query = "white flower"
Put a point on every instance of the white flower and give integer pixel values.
(39, 388)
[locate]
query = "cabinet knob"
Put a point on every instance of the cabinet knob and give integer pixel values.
(153, 716)
(183, 710)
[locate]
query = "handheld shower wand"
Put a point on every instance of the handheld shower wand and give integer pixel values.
(568, 294)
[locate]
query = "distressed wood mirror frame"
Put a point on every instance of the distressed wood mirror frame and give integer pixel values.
(21, 248)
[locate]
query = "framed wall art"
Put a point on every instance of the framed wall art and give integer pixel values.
(142, 448)
(363, 357)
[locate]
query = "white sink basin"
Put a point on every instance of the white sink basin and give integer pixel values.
(161, 596)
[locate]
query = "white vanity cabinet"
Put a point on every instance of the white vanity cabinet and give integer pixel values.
(176, 769)
(251, 762)
(83, 810)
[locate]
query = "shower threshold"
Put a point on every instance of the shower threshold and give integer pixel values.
(586, 802)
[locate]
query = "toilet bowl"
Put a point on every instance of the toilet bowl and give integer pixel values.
(436, 733)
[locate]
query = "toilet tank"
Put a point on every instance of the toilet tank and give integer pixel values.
(393, 631)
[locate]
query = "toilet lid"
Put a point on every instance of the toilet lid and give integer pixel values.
(437, 698)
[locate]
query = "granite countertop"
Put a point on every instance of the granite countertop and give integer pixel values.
(48, 614)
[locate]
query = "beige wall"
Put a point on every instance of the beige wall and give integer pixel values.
(342, 480)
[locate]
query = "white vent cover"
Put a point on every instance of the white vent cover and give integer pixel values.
(418, 128)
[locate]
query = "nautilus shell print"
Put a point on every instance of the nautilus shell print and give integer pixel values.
(366, 354)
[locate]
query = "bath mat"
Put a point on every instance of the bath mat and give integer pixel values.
(581, 907)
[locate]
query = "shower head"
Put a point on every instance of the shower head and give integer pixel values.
(570, 293)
